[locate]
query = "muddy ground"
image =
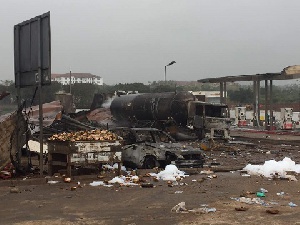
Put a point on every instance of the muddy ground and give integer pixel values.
(37, 202)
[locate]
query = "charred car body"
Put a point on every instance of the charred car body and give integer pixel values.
(150, 147)
(171, 110)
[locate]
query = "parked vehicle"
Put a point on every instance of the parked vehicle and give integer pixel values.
(151, 147)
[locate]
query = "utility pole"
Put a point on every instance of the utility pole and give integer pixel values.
(70, 81)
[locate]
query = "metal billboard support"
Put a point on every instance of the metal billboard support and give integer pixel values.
(32, 52)
(40, 97)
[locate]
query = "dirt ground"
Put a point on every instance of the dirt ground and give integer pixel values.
(37, 202)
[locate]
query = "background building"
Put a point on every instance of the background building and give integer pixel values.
(84, 78)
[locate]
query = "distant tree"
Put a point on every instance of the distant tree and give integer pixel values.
(6, 82)
(241, 96)
(139, 87)
(83, 94)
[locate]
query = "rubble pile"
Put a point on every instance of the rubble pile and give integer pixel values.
(87, 135)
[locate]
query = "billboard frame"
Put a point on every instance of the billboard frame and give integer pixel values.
(32, 51)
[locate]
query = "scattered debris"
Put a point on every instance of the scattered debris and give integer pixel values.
(147, 185)
(52, 182)
(67, 179)
(207, 172)
(203, 210)
(242, 208)
(113, 167)
(15, 190)
(7, 171)
(291, 204)
(260, 194)
(272, 211)
(251, 201)
(246, 175)
(5, 175)
(97, 183)
(179, 208)
(73, 188)
(212, 176)
(263, 190)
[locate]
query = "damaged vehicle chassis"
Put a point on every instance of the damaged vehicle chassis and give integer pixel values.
(149, 147)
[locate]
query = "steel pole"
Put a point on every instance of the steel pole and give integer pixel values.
(70, 81)
(40, 96)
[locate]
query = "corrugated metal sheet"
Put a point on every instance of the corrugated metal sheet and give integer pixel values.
(9, 124)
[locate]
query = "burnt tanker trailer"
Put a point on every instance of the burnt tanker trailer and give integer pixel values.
(171, 112)
(152, 107)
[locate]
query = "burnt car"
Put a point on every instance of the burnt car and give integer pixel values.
(150, 147)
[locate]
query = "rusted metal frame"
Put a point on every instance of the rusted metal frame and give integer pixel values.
(256, 94)
(266, 104)
(225, 93)
(255, 105)
(221, 92)
(271, 103)
(258, 102)
(69, 166)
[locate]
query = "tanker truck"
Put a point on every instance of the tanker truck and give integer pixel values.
(172, 112)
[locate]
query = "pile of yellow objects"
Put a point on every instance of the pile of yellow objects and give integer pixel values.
(87, 135)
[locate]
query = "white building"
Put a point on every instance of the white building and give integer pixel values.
(82, 78)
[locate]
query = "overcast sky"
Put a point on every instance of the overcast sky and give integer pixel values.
(127, 41)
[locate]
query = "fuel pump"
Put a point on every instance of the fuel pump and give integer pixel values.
(286, 115)
(240, 116)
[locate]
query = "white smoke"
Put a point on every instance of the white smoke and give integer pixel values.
(106, 104)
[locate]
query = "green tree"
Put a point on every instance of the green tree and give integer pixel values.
(83, 94)
(241, 96)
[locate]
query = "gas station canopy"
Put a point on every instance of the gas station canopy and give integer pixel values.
(288, 73)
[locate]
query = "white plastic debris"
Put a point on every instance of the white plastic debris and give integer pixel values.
(171, 173)
(203, 210)
(251, 201)
(115, 166)
(126, 181)
(263, 190)
(246, 175)
(206, 172)
(273, 168)
(123, 180)
(179, 208)
(52, 182)
(97, 183)
(291, 204)
(116, 180)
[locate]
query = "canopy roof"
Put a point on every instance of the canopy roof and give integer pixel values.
(288, 73)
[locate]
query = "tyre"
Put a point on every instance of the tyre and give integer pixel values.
(150, 162)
